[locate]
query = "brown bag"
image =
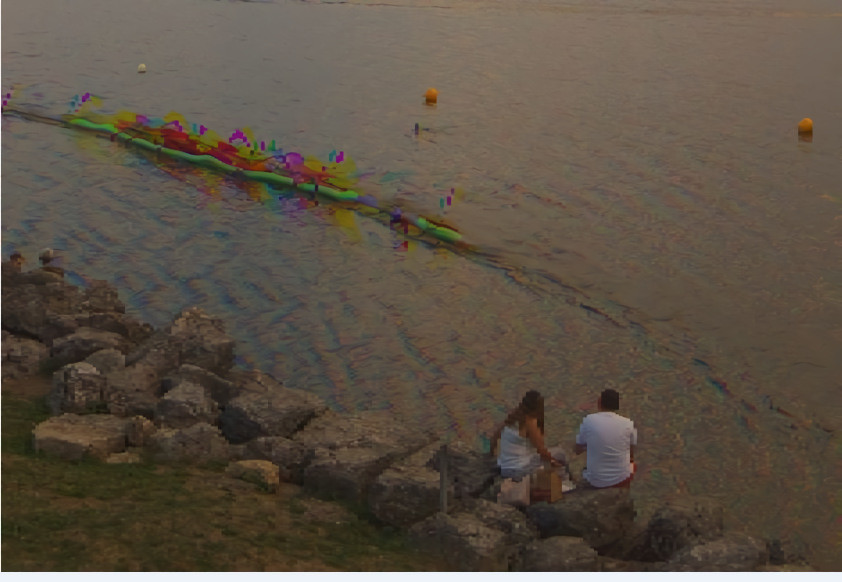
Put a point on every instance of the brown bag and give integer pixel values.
(514, 492)
(546, 486)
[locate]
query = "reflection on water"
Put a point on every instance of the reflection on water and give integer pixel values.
(644, 215)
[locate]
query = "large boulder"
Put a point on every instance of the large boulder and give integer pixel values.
(350, 451)
(731, 553)
(26, 308)
(85, 341)
(133, 391)
(159, 354)
(408, 491)
(290, 456)
(21, 356)
(681, 522)
(77, 387)
(107, 361)
(279, 412)
(100, 297)
(601, 516)
(184, 406)
(200, 443)
(558, 554)
(464, 542)
(72, 436)
(262, 473)
(220, 389)
(203, 341)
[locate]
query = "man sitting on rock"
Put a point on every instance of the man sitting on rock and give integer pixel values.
(609, 440)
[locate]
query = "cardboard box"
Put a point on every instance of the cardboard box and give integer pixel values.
(546, 486)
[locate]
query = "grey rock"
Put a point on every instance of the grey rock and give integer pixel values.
(77, 387)
(731, 553)
(26, 307)
(347, 473)
(408, 491)
(159, 354)
(133, 391)
(199, 443)
(559, 554)
(107, 361)
(101, 296)
(505, 518)
(291, 457)
(21, 356)
(203, 341)
(362, 429)
(679, 523)
(464, 542)
(220, 389)
(85, 341)
(184, 406)
(280, 412)
(72, 436)
(601, 516)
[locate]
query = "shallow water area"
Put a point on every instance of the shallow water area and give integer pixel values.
(629, 173)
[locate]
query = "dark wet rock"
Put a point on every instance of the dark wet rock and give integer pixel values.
(85, 341)
(731, 553)
(408, 491)
(220, 389)
(601, 516)
(290, 456)
(679, 523)
(72, 436)
(202, 341)
(21, 356)
(262, 473)
(472, 472)
(558, 554)
(464, 542)
(77, 387)
(186, 405)
(199, 443)
(107, 361)
(279, 412)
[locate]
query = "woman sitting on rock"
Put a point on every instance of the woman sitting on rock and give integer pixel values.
(521, 435)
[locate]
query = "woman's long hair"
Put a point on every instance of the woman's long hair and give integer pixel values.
(532, 405)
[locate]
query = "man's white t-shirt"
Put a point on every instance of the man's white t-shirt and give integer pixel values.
(608, 437)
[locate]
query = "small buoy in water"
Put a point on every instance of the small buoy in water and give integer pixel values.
(805, 126)
(432, 96)
(141, 68)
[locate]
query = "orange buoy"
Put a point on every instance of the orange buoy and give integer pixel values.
(805, 126)
(432, 96)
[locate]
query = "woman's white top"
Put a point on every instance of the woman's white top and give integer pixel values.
(516, 452)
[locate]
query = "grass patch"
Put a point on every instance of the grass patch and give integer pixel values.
(92, 516)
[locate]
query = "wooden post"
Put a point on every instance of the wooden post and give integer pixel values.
(443, 481)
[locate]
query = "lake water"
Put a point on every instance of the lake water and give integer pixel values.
(643, 214)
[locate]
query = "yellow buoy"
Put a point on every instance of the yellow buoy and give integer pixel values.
(432, 96)
(805, 125)
(141, 68)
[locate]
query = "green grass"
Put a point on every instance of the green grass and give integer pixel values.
(91, 516)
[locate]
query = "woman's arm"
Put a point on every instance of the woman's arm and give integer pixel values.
(537, 439)
(495, 437)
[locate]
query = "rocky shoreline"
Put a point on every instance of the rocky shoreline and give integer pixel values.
(124, 392)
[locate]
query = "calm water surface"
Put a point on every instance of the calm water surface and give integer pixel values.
(644, 214)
